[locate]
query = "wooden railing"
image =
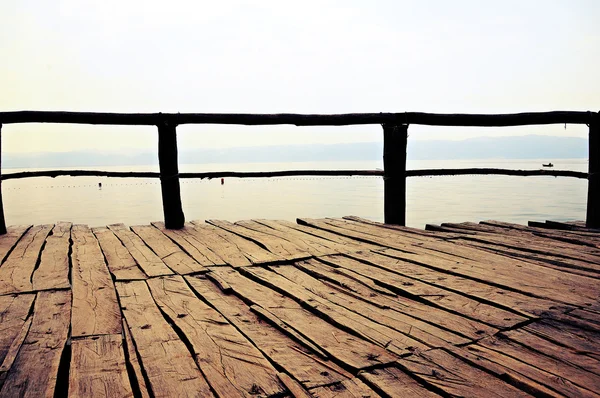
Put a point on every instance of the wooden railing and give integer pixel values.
(395, 134)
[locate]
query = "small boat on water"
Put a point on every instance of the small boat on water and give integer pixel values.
(548, 165)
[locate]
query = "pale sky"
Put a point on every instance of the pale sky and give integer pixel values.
(308, 56)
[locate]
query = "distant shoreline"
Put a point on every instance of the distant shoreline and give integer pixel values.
(548, 148)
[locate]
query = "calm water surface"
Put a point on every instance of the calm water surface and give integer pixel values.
(429, 199)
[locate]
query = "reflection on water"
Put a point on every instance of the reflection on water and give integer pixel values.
(429, 199)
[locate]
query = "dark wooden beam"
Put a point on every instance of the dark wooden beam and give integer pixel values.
(2, 220)
(593, 199)
(394, 178)
(431, 119)
(169, 175)
(294, 173)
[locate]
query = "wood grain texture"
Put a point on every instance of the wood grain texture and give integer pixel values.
(305, 242)
(346, 348)
(95, 307)
(412, 328)
(351, 388)
(121, 264)
(146, 258)
(437, 297)
(167, 363)
(16, 272)
(98, 368)
(10, 239)
(186, 239)
(233, 249)
(395, 383)
(231, 364)
(53, 270)
(279, 247)
(295, 358)
(176, 259)
(14, 310)
(138, 381)
(443, 371)
(364, 288)
(34, 372)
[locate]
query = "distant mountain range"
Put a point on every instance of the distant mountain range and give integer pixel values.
(519, 147)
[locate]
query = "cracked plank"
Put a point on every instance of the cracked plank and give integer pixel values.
(143, 255)
(279, 247)
(98, 368)
(95, 307)
(233, 249)
(17, 272)
(167, 251)
(53, 271)
(353, 351)
(296, 359)
(231, 364)
(167, 363)
(120, 263)
(34, 372)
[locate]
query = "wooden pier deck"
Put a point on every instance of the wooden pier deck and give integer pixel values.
(323, 308)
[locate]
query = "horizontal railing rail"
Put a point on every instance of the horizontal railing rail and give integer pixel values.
(422, 118)
(294, 173)
(395, 135)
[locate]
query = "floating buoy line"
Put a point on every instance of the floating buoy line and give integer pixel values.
(220, 181)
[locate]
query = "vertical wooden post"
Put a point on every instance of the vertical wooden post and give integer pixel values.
(169, 176)
(2, 221)
(394, 174)
(593, 199)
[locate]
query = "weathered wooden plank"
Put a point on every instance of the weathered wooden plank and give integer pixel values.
(354, 352)
(120, 263)
(235, 250)
(454, 377)
(288, 354)
(361, 288)
(53, 271)
(186, 239)
(16, 272)
(131, 356)
(584, 341)
(511, 301)
(500, 369)
(10, 239)
(561, 264)
(307, 243)
(293, 386)
(413, 328)
(146, 259)
(340, 243)
(395, 383)
(95, 307)
(351, 388)
(13, 350)
(360, 325)
(279, 247)
(168, 251)
(231, 364)
(168, 365)
(547, 347)
(523, 277)
(554, 374)
(433, 295)
(98, 368)
(360, 236)
(14, 310)
(34, 372)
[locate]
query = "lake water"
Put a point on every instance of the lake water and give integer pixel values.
(429, 199)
